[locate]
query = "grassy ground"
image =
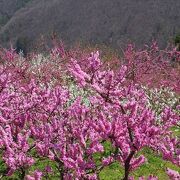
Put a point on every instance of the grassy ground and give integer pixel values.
(155, 166)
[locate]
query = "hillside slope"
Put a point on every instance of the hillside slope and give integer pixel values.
(112, 22)
(8, 8)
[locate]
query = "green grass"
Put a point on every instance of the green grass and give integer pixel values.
(176, 131)
(155, 166)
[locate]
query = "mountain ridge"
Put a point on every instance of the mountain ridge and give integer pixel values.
(114, 22)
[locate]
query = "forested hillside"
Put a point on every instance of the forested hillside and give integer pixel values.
(112, 22)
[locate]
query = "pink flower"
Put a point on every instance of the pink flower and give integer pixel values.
(174, 175)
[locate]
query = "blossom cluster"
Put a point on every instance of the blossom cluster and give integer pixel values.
(41, 117)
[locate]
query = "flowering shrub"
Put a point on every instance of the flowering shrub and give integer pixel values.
(68, 115)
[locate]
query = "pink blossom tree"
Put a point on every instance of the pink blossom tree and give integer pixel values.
(40, 120)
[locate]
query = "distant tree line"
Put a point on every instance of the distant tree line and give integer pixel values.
(177, 41)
